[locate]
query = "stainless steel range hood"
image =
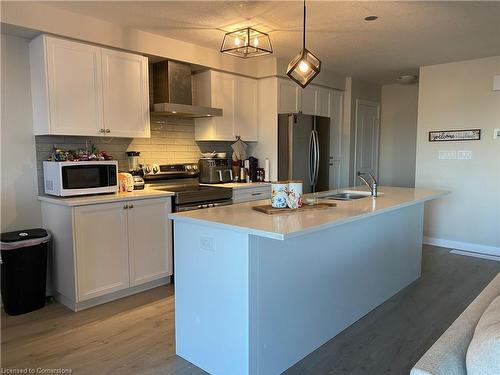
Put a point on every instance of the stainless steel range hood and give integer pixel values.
(172, 92)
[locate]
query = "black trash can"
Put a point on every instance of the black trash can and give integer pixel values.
(24, 270)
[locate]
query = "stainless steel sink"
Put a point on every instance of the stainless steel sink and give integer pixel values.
(347, 196)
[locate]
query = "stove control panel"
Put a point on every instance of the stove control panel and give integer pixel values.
(166, 171)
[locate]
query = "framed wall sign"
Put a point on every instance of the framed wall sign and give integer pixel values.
(455, 135)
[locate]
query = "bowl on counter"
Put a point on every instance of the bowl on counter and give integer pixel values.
(221, 155)
(208, 155)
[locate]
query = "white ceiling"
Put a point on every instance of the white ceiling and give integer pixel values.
(406, 35)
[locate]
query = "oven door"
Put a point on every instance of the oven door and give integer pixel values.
(82, 178)
(201, 205)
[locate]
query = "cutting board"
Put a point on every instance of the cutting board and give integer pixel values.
(270, 210)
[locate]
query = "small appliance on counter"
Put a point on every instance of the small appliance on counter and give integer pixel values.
(215, 171)
(253, 165)
(126, 182)
(133, 162)
(138, 182)
(69, 178)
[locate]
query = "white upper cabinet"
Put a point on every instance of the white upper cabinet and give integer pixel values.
(308, 100)
(66, 85)
(313, 100)
(237, 96)
(288, 96)
(323, 98)
(125, 93)
(246, 102)
(80, 89)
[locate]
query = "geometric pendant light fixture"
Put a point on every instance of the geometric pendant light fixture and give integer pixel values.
(247, 42)
(305, 66)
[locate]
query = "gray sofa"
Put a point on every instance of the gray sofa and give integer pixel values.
(447, 355)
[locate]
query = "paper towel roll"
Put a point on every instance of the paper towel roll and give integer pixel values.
(267, 177)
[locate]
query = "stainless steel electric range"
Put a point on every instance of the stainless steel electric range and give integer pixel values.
(182, 179)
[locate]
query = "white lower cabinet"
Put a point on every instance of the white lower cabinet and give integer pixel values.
(106, 251)
(101, 245)
(148, 238)
(252, 194)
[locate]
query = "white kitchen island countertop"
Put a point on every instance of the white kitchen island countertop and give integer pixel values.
(105, 198)
(242, 217)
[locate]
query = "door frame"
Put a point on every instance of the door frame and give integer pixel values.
(372, 104)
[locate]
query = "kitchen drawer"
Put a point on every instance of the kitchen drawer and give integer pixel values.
(251, 194)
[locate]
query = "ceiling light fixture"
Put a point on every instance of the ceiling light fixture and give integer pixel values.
(305, 66)
(247, 42)
(371, 18)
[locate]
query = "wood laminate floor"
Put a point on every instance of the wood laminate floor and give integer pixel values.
(135, 335)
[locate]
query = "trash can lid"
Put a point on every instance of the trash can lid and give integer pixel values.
(23, 235)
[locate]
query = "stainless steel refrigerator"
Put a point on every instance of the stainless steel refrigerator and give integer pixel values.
(304, 150)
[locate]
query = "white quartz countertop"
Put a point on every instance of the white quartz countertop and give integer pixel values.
(243, 218)
(105, 198)
(240, 185)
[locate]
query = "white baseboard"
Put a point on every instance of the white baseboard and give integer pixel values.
(475, 255)
(465, 246)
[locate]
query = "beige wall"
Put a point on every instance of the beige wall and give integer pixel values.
(398, 135)
(460, 96)
(19, 206)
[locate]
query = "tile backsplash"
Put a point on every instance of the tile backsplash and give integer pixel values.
(172, 141)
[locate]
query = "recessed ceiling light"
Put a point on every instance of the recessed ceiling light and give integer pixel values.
(371, 18)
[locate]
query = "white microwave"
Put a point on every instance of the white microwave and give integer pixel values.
(67, 178)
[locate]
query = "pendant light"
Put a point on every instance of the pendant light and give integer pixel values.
(305, 66)
(247, 42)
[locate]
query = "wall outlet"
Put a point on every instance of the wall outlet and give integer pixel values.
(464, 155)
(447, 155)
(496, 133)
(207, 243)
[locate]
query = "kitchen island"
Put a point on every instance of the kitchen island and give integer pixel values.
(256, 293)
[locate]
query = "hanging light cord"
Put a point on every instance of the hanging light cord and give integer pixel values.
(304, 29)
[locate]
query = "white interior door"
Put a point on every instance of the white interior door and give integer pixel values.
(335, 113)
(366, 138)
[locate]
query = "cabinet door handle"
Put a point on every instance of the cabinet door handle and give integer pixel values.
(131, 206)
(108, 131)
(125, 207)
(256, 193)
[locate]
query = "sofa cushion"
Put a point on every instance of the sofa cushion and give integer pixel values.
(483, 354)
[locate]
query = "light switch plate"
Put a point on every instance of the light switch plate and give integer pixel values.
(447, 155)
(464, 155)
(496, 133)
